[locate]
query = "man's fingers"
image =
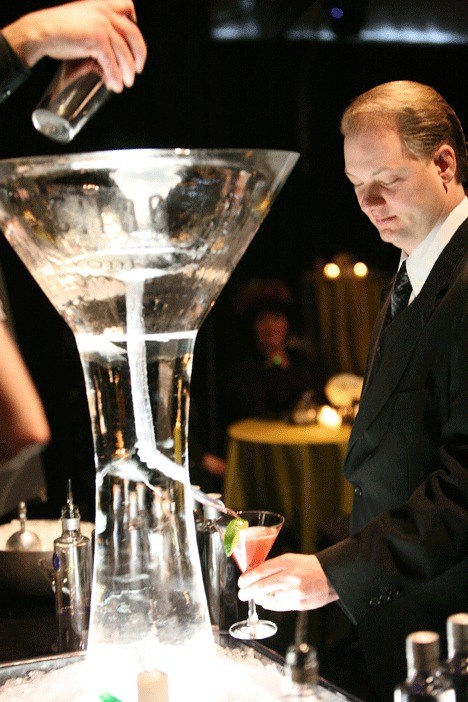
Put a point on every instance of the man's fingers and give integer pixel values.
(265, 570)
(124, 59)
(131, 35)
(123, 7)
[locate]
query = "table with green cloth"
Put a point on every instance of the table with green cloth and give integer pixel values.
(290, 469)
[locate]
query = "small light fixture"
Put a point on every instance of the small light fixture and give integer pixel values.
(331, 270)
(360, 269)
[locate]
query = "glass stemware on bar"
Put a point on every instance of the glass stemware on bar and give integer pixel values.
(252, 548)
(132, 248)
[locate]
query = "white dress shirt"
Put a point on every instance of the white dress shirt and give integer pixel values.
(421, 260)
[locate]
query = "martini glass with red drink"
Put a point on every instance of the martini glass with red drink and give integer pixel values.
(250, 547)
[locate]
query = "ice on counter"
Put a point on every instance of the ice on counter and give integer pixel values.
(239, 676)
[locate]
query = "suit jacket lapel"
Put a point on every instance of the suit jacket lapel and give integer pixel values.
(375, 337)
(401, 336)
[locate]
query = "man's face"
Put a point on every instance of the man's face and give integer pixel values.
(403, 196)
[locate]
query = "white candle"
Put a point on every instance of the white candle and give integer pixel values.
(152, 686)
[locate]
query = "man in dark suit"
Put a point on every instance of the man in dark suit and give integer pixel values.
(404, 566)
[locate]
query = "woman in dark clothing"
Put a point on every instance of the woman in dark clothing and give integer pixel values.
(274, 375)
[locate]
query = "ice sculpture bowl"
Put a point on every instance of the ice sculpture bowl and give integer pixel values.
(133, 248)
(88, 225)
(22, 570)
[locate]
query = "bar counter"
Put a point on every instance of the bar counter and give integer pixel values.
(28, 640)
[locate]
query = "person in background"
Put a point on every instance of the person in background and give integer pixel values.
(23, 425)
(404, 566)
(106, 32)
(265, 375)
(272, 375)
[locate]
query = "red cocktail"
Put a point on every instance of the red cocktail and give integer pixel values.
(252, 546)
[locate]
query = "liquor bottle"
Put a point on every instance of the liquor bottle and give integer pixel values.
(72, 563)
(301, 674)
(456, 665)
(426, 681)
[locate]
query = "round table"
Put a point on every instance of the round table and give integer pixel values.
(294, 470)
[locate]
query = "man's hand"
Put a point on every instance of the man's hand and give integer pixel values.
(292, 581)
(213, 464)
(103, 30)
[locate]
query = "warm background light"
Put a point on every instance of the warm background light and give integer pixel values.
(331, 270)
(328, 417)
(360, 269)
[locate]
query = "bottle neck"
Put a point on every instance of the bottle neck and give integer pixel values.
(70, 525)
(422, 653)
(301, 665)
(457, 635)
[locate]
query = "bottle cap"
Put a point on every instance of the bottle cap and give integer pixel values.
(210, 512)
(301, 664)
(70, 513)
(457, 634)
(422, 652)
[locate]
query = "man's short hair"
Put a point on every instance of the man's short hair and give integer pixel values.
(421, 117)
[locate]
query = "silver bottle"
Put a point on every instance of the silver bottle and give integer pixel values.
(72, 565)
(218, 570)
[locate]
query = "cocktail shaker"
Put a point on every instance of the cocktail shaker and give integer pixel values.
(23, 540)
(218, 570)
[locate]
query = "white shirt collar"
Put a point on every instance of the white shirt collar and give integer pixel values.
(421, 260)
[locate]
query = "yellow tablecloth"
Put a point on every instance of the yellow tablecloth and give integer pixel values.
(294, 470)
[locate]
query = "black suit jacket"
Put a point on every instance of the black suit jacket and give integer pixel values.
(405, 565)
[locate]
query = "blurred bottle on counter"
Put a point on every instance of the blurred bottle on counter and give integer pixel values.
(301, 675)
(426, 681)
(456, 665)
(218, 570)
(72, 565)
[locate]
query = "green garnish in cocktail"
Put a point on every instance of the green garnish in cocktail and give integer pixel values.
(231, 535)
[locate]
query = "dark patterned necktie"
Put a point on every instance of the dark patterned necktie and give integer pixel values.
(401, 292)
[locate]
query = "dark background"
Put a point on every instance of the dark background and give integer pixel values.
(197, 92)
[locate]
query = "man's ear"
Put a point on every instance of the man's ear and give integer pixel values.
(446, 162)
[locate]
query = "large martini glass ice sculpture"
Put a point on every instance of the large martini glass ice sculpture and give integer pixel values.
(132, 248)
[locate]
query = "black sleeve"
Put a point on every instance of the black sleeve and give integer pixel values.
(12, 72)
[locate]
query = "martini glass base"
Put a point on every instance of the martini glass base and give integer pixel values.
(262, 629)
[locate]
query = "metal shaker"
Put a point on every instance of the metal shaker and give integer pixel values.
(219, 571)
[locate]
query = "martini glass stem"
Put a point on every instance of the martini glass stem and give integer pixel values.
(252, 617)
